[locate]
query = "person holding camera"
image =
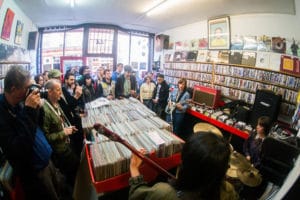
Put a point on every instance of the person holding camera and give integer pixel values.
(57, 129)
(73, 106)
(21, 139)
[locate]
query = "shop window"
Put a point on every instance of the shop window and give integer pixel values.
(123, 47)
(100, 41)
(52, 50)
(139, 53)
(73, 42)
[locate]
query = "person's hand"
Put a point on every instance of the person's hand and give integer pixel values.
(132, 93)
(68, 130)
(135, 163)
(33, 100)
(110, 97)
(74, 129)
(155, 100)
(179, 106)
(248, 158)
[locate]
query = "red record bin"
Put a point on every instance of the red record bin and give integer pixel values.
(121, 181)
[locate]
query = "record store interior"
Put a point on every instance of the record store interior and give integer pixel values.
(149, 99)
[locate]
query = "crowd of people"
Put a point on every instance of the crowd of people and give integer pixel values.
(42, 138)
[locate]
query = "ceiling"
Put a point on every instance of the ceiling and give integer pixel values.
(131, 14)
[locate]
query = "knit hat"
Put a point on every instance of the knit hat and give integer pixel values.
(54, 73)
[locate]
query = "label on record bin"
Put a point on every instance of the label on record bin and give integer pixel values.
(156, 138)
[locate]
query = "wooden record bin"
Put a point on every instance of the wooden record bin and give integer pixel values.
(121, 181)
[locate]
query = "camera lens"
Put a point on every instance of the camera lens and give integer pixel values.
(32, 88)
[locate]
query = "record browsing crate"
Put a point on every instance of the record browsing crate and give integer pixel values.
(108, 161)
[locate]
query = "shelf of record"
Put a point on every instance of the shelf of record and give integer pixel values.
(235, 81)
(4, 67)
(136, 124)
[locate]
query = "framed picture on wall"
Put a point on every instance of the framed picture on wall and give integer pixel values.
(219, 33)
(7, 24)
(19, 31)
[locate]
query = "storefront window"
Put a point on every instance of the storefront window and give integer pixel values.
(73, 42)
(139, 53)
(123, 47)
(100, 41)
(97, 45)
(52, 50)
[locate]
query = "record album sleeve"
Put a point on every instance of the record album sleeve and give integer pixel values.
(237, 42)
(223, 57)
(213, 56)
(264, 43)
(287, 64)
(278, 45)
(203, 43)
(296, 65)
(202, 56)
(193, 44)
(249, 58)
(235, 57)
(262, 59)
(250, 43)
(275, 59)
(192, 56)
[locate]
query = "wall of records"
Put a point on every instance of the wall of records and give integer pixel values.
(237, 81)
(4, 67)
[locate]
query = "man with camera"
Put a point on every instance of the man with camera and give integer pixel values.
(73, 106)
(57, 129)
(21, 139)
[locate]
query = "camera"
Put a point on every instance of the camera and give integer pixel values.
(42, 91)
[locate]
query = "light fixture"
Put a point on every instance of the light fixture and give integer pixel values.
(72, 3)
(161, 6)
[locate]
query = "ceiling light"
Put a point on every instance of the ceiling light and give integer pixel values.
(72, 3)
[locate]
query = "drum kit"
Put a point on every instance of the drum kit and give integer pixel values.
(240, 169)
(205, 127)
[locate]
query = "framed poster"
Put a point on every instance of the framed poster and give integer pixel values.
(219, 33)
(7, 24)
(19, 31)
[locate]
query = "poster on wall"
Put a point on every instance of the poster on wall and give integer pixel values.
(219, 33)
(19, 31)
(7, 24)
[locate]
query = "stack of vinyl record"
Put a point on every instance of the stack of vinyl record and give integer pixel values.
(133, 122)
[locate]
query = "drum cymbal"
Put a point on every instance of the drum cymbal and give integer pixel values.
(249, 177)
(232, 172)
(239, 161)
(206, 127)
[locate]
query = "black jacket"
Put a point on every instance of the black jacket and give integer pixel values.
(17, 134)
(163, 94)
(119, 90)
